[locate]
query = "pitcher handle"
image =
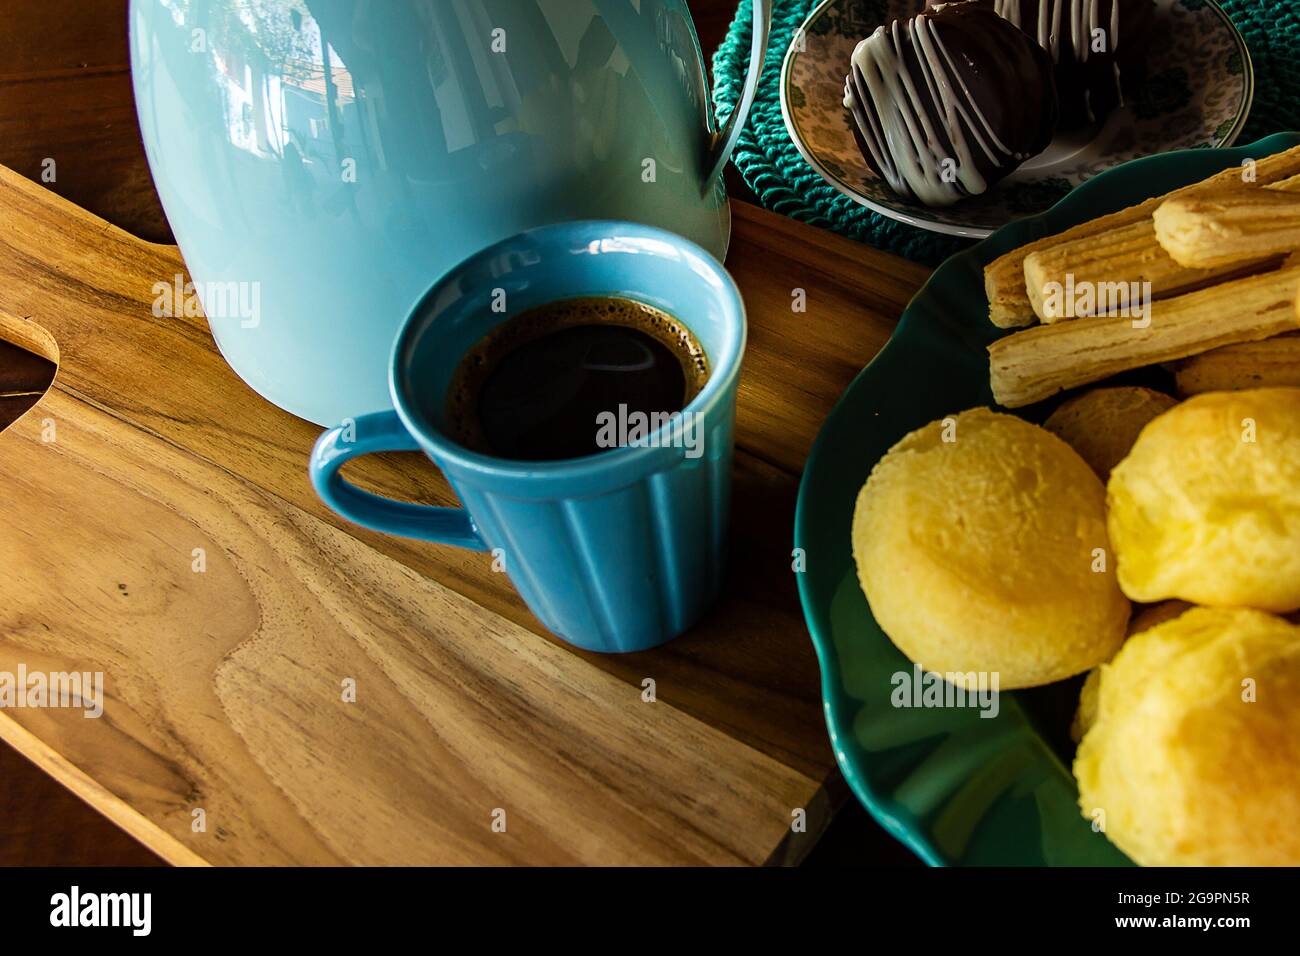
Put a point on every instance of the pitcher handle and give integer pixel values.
(724, 141)
(369, 434)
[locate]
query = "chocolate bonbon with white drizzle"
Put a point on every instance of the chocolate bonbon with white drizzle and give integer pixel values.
(947, 103)
(1098, 47)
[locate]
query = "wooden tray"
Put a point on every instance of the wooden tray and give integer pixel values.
(224, 687)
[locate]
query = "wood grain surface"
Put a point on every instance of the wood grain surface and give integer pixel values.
(65, 95)
(67, 114)
(224, 685)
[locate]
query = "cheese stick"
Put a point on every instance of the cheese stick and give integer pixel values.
(1004, 278)
(1029, 366)
(1222, 229)
(1110, 272)
(1114, 267)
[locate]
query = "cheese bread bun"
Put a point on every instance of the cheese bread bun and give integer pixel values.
(1206, 507)
(1102, 425)
(1193, 756)
(1146, 619)
(980, 543)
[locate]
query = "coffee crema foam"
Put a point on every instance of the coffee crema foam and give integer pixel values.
(461, 413)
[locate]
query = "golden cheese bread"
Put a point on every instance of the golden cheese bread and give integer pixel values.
(1144, 620)
(1193, 756)
(981, 545)
(1206, 507)
(1264, 364)
(1102, 424)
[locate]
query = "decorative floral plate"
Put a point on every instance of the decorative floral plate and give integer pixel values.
(1197, 93)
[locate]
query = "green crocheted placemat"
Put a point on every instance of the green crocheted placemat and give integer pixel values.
(786, 184)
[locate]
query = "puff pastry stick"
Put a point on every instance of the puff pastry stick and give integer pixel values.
(1029, 366)
(1115, 267)
(1221, 229)
(1004, 278)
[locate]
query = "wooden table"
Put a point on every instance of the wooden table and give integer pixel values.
(740, 693)
(225, 686)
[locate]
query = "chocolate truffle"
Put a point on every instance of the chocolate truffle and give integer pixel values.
(949, 102)
(1098, 48)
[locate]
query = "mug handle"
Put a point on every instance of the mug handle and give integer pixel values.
(724, 141)
(383, 431)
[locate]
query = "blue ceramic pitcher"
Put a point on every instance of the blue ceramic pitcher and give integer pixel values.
(321, 162)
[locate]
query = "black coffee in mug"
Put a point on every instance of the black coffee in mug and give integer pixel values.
(538, 386)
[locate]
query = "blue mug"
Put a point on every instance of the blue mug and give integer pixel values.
(617, 551)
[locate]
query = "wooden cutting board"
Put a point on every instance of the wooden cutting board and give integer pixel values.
(159, 527)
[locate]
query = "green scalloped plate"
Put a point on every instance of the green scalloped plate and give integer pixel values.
(956, 788)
